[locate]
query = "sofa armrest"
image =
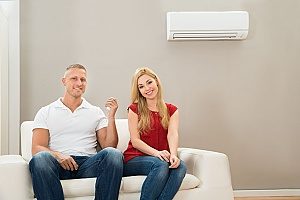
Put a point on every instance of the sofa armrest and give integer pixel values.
(212, 168)
(15, 178)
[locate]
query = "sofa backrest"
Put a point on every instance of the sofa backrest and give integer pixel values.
(26, 136)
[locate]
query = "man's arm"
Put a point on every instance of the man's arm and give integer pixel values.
(108, 136)
(40, 142)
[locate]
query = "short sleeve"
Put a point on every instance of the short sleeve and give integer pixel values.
(171, 109)
(40, 119)
(103, 121)
(133, 107)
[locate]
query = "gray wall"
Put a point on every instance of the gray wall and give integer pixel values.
(237, 97)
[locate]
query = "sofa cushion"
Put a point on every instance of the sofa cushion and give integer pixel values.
(78, 187)
(134, 183)
(189, 182)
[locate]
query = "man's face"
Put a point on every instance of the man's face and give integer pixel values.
(75, 82)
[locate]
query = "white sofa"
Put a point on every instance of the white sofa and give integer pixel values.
(208, 175)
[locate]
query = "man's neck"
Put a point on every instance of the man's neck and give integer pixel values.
(71, 102)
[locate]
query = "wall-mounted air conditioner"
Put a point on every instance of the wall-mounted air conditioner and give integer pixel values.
(228, 25)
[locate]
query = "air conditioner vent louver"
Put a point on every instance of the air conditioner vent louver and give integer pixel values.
(231, 25)
(204, 36)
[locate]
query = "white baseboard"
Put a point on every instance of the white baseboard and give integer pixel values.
(275, 192)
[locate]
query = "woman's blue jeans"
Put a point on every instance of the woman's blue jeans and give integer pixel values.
(162, 183)
(106, 165)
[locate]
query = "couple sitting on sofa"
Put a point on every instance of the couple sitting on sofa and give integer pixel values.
(66, 132)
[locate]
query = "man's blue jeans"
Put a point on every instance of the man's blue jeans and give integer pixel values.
(106, 165)
(162, 182)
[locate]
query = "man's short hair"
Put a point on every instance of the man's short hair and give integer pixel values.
(77, 66)
(74, 66)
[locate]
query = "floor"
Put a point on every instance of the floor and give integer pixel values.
(267, 198)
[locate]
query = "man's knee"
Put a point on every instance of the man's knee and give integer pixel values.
(41, 161)
(113, 152)
(113, 155)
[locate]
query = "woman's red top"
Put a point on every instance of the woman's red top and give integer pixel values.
(156, 137)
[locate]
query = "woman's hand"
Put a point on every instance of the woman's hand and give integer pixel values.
(163, 155)
(174, 161)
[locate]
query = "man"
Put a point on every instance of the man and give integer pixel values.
(64, 141)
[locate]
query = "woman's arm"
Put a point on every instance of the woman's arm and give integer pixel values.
(173, 139)
(138, 143)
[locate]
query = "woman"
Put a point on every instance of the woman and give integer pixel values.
(152, 149)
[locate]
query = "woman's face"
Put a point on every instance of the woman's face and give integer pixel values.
(147, 86)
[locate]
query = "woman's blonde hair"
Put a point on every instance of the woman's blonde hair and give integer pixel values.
(137, 97)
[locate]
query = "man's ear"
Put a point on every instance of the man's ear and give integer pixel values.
(63, 80)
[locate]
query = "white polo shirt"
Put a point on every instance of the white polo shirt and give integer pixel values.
(71, 133)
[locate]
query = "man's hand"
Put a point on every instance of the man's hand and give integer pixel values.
(66, 161)
(112, 105)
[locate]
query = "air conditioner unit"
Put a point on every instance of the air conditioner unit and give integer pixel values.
(228, 25)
